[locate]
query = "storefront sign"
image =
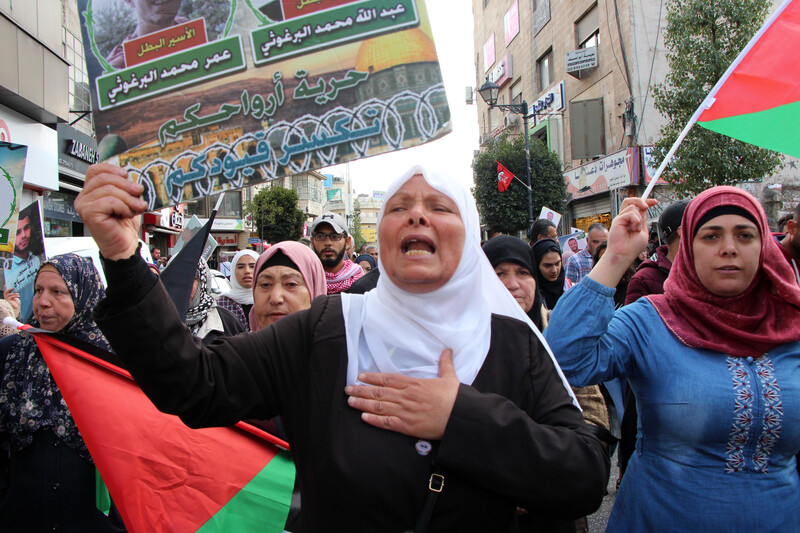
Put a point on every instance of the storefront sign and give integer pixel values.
(614, 171)
(76, 151)
(552, 102)
(503, 72)
(648, 167)
(226, 239)
(583, 59)
(60, 206)
(224, 224)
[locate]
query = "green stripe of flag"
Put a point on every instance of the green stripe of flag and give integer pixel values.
(777, 128)
(262, 505)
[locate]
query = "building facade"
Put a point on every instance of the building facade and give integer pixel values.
(585, 68)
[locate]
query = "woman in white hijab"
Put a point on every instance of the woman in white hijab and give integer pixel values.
(239, 300)
(378, 411)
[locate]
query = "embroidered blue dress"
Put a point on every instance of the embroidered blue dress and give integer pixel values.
(718, 435)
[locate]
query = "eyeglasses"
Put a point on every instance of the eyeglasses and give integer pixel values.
(334, 237)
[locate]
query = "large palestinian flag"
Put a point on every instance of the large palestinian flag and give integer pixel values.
(758, 98)
(162, 475)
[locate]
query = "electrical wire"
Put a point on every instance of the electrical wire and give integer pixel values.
(652, 63)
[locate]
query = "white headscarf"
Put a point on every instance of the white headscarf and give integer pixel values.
(392, 330)
(239, 294)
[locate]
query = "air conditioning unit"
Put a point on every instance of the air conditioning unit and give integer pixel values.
(485, 138)
(510, 121)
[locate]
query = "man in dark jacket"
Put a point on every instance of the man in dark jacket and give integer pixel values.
(651, 275)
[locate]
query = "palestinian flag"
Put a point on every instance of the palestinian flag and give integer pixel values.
(163, 475)
(758, 99)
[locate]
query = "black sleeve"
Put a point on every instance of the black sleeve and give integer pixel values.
(246, 376)
(544, 456)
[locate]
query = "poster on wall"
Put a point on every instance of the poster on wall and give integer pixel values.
(19, 270)
(12, 171)
(195, 98)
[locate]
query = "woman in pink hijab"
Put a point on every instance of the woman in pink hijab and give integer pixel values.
(288, 276)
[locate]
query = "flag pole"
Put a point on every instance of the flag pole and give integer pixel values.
(709, 100)
(523, 183)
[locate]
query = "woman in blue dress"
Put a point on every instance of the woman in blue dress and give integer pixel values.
(714, 363)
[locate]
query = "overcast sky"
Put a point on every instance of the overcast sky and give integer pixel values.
(452, 31)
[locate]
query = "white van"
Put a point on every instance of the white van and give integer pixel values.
(85, 247)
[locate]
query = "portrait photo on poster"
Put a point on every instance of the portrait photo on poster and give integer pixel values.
(20, 271)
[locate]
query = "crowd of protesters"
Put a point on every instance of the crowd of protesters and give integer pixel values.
(432, 382)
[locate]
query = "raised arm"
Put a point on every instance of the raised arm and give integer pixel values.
(591, 343)
(109, 206)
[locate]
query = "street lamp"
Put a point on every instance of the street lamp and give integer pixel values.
(489, 92)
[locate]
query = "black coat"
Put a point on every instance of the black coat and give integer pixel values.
(514, 437)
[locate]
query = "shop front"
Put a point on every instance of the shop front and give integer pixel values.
(596, 190)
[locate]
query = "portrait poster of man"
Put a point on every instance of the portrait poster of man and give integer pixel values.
(12, 171)
(571, 244)
(195, 98)
(20, 270)
(550, 215)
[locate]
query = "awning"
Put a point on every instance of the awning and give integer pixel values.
(162, 229)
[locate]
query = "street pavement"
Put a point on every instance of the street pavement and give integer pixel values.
(598, 520)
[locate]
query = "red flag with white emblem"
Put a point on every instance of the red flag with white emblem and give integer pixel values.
(504, 177)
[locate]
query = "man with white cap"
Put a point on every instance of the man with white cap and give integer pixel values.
(328, 240)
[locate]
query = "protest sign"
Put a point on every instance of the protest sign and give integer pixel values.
(12, 170)
(201, 97)
(550, 215)
(571, 244)
(19, 271)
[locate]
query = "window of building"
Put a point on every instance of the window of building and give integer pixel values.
(198, 208)
(545, 69)
(79, 99)
(516, 92)
(587, 29)
(231, 206)
(587, 132)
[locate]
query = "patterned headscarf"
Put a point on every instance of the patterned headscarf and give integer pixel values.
(202, 302)
(29, 398)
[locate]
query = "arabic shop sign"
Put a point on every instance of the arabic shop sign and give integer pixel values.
(226, 239)
(620, 169)
(582, 59)
(197, 108)
(331, 27)
(550, 103)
